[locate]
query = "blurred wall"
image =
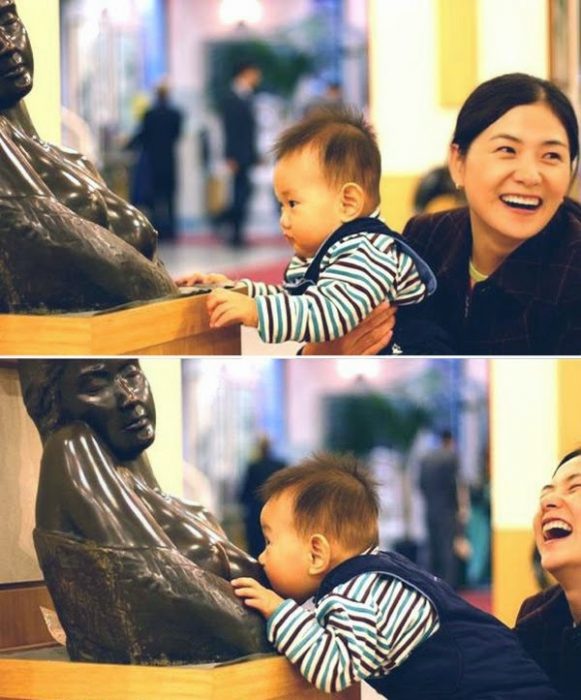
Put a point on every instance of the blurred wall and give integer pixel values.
(44, 100)
(420, 49)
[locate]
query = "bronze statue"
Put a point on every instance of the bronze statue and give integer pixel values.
(136, 575)
(67, 242)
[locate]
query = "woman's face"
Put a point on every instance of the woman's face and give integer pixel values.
(557, 523)
(16, 62)
(113, 397)
(515, 175)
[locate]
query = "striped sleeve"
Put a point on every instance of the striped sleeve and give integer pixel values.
(295, 269)
(357, 274)
(363, 628)
(256, 289)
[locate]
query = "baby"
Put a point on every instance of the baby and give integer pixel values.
(346, 260)
(376, 616)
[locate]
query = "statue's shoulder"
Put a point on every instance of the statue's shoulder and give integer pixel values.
(74, 438)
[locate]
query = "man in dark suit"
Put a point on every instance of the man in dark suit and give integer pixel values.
(159, 134)
(239, 126)
(258, 471)
(439, 474)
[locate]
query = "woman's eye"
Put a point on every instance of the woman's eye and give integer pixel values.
(292, 203)
(553, 155)
(506, 149)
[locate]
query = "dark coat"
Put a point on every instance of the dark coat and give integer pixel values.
(545, 628)
(159, 134)
(531, 305)
(239, 129)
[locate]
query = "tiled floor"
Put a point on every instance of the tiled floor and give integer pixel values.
(204, 253)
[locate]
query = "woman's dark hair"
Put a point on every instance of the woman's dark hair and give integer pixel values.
(489, 101)
(567, 457)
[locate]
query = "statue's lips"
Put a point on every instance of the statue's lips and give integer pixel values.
(138, 424)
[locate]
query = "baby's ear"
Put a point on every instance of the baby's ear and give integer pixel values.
(352, 201)
(320, 555)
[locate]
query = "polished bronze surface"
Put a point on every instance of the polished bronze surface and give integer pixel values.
(68, 242)
(137, 575)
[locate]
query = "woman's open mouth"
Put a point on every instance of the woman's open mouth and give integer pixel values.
(521, 201)
(556, 530)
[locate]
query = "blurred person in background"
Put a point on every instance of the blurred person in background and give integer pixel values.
(436, 191)
(240, 151)
(439, 484)
(262, 466)
(157, 166)
(331, 97)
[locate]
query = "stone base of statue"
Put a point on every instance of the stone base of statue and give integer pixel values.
(144, 605)
(172, 327)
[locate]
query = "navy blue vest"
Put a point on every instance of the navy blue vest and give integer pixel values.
(472, 656)
(369, 225)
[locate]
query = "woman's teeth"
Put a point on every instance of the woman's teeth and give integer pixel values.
(521, 201)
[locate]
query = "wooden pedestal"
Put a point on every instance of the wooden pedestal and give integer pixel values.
(174, 327)
(262, 679)
(23, 636)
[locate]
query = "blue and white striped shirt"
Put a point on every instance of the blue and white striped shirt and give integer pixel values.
(356, 275)
(362, 628)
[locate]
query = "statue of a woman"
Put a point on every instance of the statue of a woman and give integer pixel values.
(67, 242)
(136, 575)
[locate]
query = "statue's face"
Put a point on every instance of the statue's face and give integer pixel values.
(113, 397)
(16, 62)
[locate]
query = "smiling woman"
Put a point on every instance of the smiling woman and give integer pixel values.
(508, 265)
(549, 623)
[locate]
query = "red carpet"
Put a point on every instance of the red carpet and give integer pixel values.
(481, 598)
(271, 273)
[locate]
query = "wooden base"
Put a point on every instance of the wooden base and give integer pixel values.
(173, 327)
(22, 625)
(262, 679)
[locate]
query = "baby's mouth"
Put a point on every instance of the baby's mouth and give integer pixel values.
(556, 530)
(521, 201)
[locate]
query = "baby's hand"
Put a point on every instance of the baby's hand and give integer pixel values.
(226, 308)
(202, 278)
(256, 596)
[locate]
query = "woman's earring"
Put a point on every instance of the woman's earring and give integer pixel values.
(457, 185)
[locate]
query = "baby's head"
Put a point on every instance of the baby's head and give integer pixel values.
(315, 516)
(328, 170)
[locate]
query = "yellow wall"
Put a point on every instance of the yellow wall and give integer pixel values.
(534, 422)
(164, 375)
(41, 18)
(457, 33)
(425, 57)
